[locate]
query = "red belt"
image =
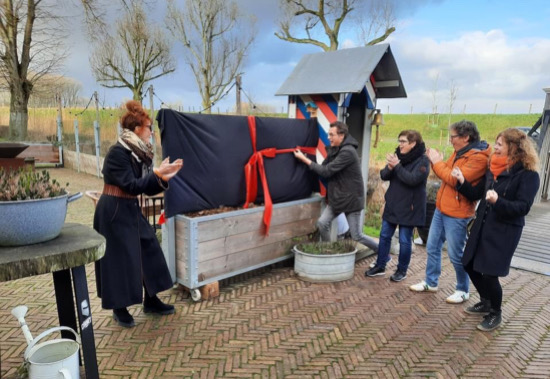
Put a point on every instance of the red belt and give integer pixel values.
(109, 189)
(256, 164)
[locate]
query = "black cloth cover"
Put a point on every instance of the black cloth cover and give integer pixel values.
(215, 149)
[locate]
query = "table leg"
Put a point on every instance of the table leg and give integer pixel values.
(65, 302)
(85, 320)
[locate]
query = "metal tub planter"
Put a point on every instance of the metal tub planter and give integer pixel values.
(26, 222)
(327, 262)
(206, 249)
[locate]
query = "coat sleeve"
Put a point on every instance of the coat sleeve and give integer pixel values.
(386, 173)
(525, 195)
(118, 171)
(414, 177)
(471, 192)
(473, 169)
(343, 159)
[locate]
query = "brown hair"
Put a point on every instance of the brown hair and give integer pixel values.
(341, 128)
(135, 116)
(520, 148)
(412, 136)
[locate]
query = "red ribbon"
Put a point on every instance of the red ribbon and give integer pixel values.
(256, 164)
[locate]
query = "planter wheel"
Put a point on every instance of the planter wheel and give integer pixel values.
(195, 294)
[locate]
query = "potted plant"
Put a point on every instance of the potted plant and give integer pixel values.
(432, 186)
(325, 261)
(33, 207)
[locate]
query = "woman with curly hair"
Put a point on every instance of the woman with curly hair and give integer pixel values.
(133, 257)
(506, 194)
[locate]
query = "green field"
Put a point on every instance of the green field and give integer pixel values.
(42, 124)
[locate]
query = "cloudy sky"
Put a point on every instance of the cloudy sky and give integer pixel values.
(496, 53)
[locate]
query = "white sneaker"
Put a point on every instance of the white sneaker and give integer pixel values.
(458, 297)
(422, 287)
(374, 263)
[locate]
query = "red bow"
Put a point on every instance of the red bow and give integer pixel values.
(256, 164)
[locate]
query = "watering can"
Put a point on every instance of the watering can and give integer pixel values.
(52, 359)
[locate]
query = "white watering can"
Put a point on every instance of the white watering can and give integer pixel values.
(53, 359)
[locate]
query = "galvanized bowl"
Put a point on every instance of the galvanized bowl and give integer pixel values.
(25, 222)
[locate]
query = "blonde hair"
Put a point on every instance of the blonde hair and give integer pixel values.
(521, 148)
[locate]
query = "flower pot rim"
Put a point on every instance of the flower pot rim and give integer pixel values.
(296, 250)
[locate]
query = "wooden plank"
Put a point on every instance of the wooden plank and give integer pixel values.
(242, 259)
(232, 225)
(46, 153)
(228, 245)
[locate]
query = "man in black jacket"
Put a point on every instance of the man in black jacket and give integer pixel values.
(345, 189)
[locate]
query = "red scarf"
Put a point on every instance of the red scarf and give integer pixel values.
(499, 163)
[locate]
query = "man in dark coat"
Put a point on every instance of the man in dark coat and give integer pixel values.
(133, 258)
(407, 171)
(345, 189)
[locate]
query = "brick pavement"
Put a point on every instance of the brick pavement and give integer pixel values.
(269, 324)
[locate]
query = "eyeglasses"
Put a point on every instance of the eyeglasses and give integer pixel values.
(333, 135)
(453, 136)
(402, 141)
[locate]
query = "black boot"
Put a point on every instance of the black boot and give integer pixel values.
(154, 305)
(481, 308)
(123, 317)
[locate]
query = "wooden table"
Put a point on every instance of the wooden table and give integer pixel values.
(65, 257)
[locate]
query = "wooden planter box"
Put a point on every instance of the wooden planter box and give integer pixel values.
(203, 250)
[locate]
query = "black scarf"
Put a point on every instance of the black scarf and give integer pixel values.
(417, 151)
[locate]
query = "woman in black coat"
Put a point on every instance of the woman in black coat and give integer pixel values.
(506, 194)
(407, 171)
(133, 257)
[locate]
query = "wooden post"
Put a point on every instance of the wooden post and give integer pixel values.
(60, 128)
(97, 135)
(152, 115)
(238, 94)
(77, 144)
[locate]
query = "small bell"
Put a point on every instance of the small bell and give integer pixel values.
(377, 119)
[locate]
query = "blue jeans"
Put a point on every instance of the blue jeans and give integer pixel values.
(355, 227)
(453, 230)
(405, 245)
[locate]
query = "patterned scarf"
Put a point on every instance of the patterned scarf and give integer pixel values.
(498, 164)
(142, 151)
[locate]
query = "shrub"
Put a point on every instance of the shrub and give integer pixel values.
(327, 248)
(25, 184)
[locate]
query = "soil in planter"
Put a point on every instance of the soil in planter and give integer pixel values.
(215, 211)
(327, 248)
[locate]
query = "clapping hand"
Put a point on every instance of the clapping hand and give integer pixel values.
(434, 156)
(456, 173)
(392, 161)
(167, 170)
(491, 196)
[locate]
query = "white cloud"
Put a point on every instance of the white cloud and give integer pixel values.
(488, 67)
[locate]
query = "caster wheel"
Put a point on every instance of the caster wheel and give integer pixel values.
(195, 294)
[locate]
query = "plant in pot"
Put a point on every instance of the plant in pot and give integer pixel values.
(325, 261)
(432, 186)
(33, 207)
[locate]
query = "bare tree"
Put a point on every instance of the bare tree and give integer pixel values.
(453, 92)
(318, 17)
(136, 54)
(45, 91)
(216, 38)
(30, 47)
(435, 91)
